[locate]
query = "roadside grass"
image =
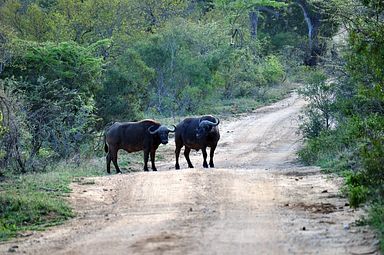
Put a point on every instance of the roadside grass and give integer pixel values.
(37, 200)
(249, 104)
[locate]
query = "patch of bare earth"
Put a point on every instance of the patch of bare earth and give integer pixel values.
(258, 200)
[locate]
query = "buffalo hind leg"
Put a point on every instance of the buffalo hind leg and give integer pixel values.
(177, 152)
(109, 162)
(212, 152)
(113, 155)
(186, 155)
(153, 151)
(204, 150)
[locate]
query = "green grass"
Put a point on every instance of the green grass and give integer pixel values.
(249, 104)
(36, 201)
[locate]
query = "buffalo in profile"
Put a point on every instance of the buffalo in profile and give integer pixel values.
(197, 133)
(144, 135)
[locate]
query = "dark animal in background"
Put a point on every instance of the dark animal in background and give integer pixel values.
(144, 135)
(197, 133)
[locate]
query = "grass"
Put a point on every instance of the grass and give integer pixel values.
(249, 104)
(37, 200)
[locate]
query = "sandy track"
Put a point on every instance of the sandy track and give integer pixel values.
(257, 201)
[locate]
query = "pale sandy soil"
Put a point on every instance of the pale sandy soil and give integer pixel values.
(258, 200)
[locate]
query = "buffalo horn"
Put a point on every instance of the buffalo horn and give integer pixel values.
(207, 122)
(174, 129)
(153, 132)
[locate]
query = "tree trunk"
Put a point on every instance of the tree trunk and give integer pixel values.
(254, 19)
(313, 23)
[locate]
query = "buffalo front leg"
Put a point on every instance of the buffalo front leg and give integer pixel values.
(146, 156)
(212, 152)
(153, 152)
(186, 155)
(204, 150)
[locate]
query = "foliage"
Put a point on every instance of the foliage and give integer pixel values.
(184, 59)
(68, 64)
(125, 90)
(376, 219)
(320, 95)
(356, 145)
(54, 86)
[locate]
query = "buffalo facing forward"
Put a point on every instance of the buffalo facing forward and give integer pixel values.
(197, 133)
(144, 135)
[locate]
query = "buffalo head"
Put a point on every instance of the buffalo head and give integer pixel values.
(205, 127)
(162, 131)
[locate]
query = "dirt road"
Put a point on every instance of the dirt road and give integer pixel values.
(258, 200)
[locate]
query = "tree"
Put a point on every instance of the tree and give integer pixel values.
(125, 92)
(235, 9)
(55, 86)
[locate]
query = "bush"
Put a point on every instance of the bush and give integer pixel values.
(376, 219)
(355, 188)
(124, 95)
(318, 113)
(52, 87)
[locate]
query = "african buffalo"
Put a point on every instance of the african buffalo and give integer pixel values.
(144, 135)
(197, 133)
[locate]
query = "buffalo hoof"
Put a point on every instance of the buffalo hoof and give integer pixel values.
(177, 167)
(145, 169)
(118, 172)
(154, 169)
(205, 165)
(190, 166)
(211, 165)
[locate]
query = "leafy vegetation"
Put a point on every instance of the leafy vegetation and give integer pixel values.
(354, 144)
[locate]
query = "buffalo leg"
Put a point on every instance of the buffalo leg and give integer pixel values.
(146, 156)
(212, 152)
(186, 155)
(153, 160)
(113, 155)
(109, 163)
(204, 150)
(177, 152)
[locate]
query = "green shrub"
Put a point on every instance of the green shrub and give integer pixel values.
(319, 111)
(376, 219)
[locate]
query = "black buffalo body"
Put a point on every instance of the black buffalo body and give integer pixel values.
(144, 135)
(197, 133)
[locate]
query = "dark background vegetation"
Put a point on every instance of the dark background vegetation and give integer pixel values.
(70, 67)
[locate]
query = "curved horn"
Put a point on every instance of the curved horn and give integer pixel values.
(207, 122)
(174, 129)
(153, 132)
